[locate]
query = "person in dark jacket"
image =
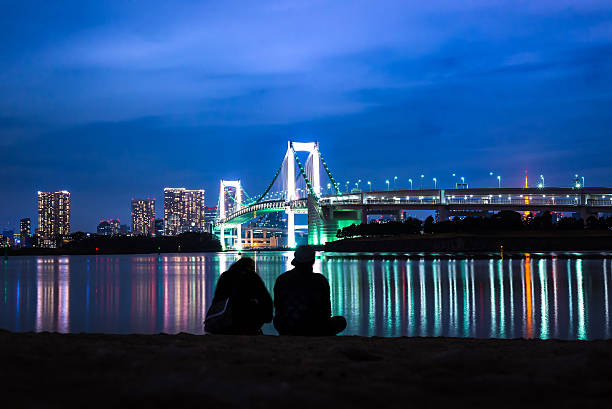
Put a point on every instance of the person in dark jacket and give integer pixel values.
(251, 304)
(302, 300)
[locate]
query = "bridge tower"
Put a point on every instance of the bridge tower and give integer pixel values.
(223, 206)
(291, 203)
(314, 184)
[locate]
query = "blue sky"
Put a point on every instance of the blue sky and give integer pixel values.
(117, 100)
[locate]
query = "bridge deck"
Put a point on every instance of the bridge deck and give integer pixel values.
(593, 199)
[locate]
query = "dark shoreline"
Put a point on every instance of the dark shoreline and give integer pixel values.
(474, 243)
(389, 255)
(60, 252)
(95, 370)
(454, 245)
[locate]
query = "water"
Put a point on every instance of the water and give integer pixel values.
(528, 298)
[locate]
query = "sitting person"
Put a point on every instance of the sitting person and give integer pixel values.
(241, 304)
(302, 300)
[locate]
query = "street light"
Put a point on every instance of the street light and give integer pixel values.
(422, 176)
(370, 184)
(394, 182)
(542, 177)
(328, 187)
(583, 181)
(347, 186)
(499, 181)
(490, 173)
(358, 182)
(435, 183)
(462, 182)
(410, 180)
(387, 182)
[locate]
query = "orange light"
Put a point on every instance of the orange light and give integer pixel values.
(528, 285)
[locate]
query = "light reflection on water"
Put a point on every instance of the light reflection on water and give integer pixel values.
(543, 298)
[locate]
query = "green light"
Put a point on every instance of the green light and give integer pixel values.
(410, 298)
(423, 295)
(544, 334)
(466, 298)
(492, 300)
(437, 298)
(502, 312)
(570, 302)
(582, 308)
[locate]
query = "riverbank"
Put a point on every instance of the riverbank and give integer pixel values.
(87, 370)
(82, 244)
(86, 252)
(485, 242)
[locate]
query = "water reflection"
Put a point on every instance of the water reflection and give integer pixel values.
(543, 298)
(52, 295)
(606, 299)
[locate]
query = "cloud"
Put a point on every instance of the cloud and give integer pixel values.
(125, 97)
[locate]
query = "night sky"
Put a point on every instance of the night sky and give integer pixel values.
(114, 100)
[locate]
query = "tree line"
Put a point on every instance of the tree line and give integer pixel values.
(80, 242)
(501, 221)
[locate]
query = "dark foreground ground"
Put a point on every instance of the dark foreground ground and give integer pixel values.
(52, 370)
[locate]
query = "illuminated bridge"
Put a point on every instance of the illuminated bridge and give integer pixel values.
(301, 192)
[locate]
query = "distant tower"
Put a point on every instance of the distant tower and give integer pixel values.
(526, 197)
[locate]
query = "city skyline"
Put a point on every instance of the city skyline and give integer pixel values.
(119, 104)
(573, 181)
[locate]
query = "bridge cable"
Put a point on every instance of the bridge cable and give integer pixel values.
(303, 173)
(280, 168)
(336, 185)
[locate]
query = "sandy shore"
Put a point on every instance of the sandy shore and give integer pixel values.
(53, 370)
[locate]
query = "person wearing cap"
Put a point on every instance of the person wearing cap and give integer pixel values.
(302, 300)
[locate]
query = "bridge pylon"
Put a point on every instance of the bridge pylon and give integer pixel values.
(314, 183)
(291, 203)
(225, 206)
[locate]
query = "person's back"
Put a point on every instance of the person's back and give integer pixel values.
(302, 300)
(249, 303)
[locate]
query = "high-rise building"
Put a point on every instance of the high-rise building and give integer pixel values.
(159, 227)
(124, 229)
(195, 211)
(174, 210)
(143, 216)
(53, 217)
(184, 211)
(25, 232)
(109, 227)
(210, 217)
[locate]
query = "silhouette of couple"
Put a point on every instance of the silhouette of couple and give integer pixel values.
(242, 304)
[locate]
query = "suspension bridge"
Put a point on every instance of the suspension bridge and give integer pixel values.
(297, 188)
